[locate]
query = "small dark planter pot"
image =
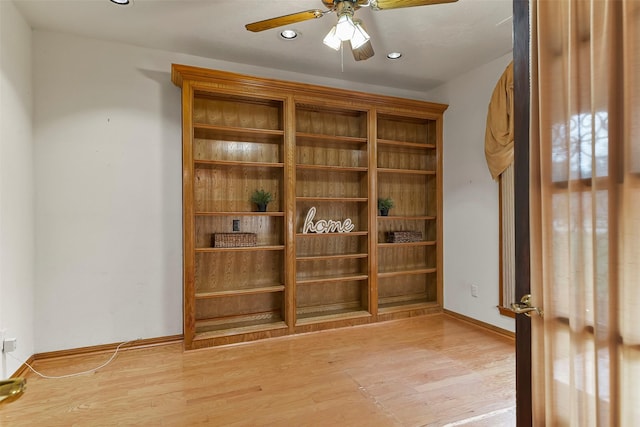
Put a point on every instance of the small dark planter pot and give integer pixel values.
(384, 212)
(262, 207)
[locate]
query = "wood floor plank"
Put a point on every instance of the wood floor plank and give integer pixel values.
(430, 370)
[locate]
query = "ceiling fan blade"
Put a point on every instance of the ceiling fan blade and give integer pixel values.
(395, 4)
(268, 24)
(363, 52)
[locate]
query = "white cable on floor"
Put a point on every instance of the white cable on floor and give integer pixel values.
(76, 374)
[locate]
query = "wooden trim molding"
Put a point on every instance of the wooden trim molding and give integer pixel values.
(95, 349)
(103, 348)
(180, 73)
(23, 368)
(506, 312)
(488, 326)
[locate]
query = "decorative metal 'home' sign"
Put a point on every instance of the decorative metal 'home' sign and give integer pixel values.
(325, 226)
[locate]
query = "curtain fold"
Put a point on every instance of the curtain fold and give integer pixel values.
(498, 139)
(585, 211)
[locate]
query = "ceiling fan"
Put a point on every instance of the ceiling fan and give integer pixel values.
(347, 28)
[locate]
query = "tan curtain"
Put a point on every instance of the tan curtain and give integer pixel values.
(498, 151)
(498, 138)
(585, 217)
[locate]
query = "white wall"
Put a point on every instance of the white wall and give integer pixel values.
(470, 208)
(108, 188)
(16, 188)
(108, 194)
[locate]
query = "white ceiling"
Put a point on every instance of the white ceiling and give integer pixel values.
(438, 42)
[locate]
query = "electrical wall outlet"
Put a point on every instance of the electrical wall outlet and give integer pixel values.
(9, 345)
(474, 291)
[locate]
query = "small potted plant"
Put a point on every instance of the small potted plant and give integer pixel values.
(261, 198)
(384, 205)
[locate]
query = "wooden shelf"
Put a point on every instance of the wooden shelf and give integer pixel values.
(406, 171)
(243, 249)
(405, 217)
(330, 316)
(352, 233)
(344, 278)
(330, 168)
(406, 244)
(303, 138)
(252, 291)
(406, 144)
(331, 257)
(236, 213)
(403, 306)
(205, 131)
(237, 330)
(332, 199)
(213, 163)
(407, 272)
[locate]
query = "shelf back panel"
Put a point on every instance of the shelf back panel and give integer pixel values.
(407, 289)
(328, 183)
(331, 245)
(402, 258)
(331, 122)
(239, 151)
(330, 298)
(331, 156)
(237, 270)
(413, 195)
(229, 188)
(405, 158)
(415, 130)
(333, 267)
(260, 306)
(237, 111)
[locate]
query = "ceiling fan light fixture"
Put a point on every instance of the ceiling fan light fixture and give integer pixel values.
(332, 40)
(360, 36)
(345, 29)
(121, 2)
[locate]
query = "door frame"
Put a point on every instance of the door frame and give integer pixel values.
(521, 75)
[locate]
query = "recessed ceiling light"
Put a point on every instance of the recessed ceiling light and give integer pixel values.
(289, 34)
(394, 55)
(122, 2)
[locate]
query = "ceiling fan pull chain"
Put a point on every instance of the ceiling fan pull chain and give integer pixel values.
(342, 56)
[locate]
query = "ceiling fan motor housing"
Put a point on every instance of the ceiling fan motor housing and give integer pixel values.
(340, 5)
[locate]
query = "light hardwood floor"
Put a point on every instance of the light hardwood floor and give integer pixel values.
(425, 371)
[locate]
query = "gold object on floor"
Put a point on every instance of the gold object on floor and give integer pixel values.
(12, 388)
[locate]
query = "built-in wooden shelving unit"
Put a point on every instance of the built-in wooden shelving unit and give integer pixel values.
(313, 148)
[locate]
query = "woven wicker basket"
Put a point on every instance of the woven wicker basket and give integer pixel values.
(233, 240)
(404, 236)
